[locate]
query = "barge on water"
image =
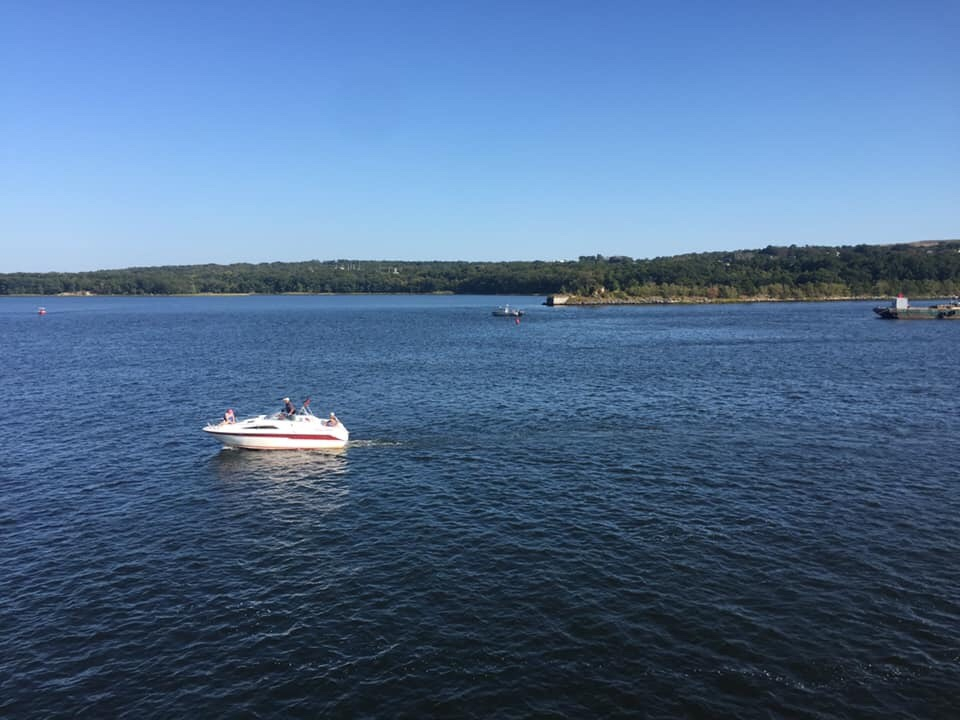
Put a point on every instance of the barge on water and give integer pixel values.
(901, 309)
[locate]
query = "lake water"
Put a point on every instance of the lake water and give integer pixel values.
(673, 511)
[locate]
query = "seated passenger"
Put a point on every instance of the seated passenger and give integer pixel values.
(288, 409)
(229, 417)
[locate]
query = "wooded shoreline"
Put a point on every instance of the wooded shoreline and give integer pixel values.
(927, 269)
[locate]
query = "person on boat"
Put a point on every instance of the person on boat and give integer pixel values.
(288, 409)
(333, 421)
(229, 417)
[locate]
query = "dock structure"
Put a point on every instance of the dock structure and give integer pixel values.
(556, 300)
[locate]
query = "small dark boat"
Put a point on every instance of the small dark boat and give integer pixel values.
(507, 311)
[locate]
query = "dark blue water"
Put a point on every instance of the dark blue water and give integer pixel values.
(730, 511)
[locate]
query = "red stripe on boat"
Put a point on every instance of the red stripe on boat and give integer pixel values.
(275, 435)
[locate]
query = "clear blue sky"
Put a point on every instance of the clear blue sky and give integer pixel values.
(149, 133)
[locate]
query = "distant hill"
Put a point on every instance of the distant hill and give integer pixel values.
(918, 269)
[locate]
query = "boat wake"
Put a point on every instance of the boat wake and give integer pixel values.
(373, 443)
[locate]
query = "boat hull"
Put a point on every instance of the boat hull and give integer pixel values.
(272, 434)
(936, 312)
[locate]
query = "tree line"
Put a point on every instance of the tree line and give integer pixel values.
(930, 269)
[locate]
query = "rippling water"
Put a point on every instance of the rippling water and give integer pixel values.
(742, 510)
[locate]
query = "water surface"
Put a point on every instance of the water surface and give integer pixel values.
(671, 511)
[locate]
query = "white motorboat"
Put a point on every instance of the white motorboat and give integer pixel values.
(300, 431)
(507, 311)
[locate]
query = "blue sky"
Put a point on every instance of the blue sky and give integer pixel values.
(194, 132)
